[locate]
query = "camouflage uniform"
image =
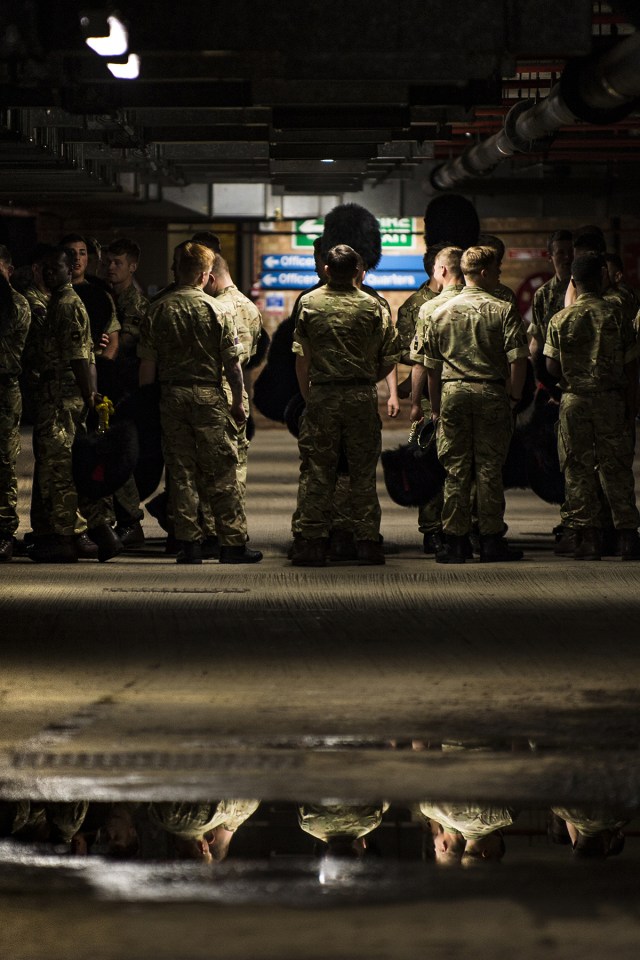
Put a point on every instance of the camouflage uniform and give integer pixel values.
(324, 822)
(473, 339)
(472, 821)
(592, 341)
(347, 339)
(194, 820)
(12, 340)
(430, 514)
(189, 335)
(590, 821)
(547, 300)
(624, 298)
(506, 294)
(38, 302)
(131, 307)
(408, 314)
(66, 336)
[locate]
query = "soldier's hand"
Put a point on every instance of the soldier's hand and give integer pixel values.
(104, 341)
(238, 414)
(416, 412)
(393, 407)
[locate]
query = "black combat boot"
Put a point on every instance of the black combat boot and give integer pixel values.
(495, 549)
(432, 542)
(241, 554)
(85, 547)
(342, 545)
(628, 545)
(6, 548)
(131, 534)
(189, 551)
(107, 540)
(210, 548)
(566, 545)
(309, 553)
(589, 544)
(453, 550)
(53, 549)
(370, 552)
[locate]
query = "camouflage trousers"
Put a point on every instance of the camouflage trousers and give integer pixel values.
(238, 435)
(339, 417)
(197, 437)
(474, 432)
(430, 514)
(10, 412)
(595, 447)
(126, 502)
(57, 508)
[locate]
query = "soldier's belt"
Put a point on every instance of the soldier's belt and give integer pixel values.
(190, 383)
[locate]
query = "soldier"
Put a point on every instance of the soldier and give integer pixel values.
(594, 832)
(202, 831)
(343, 827)
(593, 347)
(502, 291)
(343, 347)
(476, 357)
(409, 311)
(466, 831)
(97, 302)
(188, 339)
(67, 389)
(549, 298)
(448, 276)
(121, 258)
(248, 323)
(14, 326)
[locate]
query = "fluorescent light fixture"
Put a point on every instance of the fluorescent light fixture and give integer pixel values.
(115, 44)
(126, 71)
(327, 161)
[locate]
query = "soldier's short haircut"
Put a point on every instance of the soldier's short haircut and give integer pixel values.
(589, 243)
(587, 268)
(220, 266)
(343, 262)
(192, 259)
(558, 236)
(476, 259)
(208, 239)
(450, 257)
(490, 240)
(431, 254)
(72, 238)
(124, 247)
(5, 254)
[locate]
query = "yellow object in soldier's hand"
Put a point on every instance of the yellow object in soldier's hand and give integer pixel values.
(105, 410)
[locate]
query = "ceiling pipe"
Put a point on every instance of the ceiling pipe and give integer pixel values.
(596, 90)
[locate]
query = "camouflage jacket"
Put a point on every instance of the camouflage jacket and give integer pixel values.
(408, 314)
(505, 293)
(345, 334)
(189, 335)
(193, 820)
(38, 303)
(131, 307)
(475, 336)
(547, 300)
(590, 821)
(592, 341)
(246, 317)
(426, 312)
(472, 821)
(338, 819)
(66, 334)
(13, 338)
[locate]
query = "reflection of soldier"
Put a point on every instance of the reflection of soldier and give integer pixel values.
(593, 831)
(343, 348)
(14, 325)
(189, 339)
(202, 830)
(476, 356)
(593, 347)
(467, 830)
(33, 822)
(342, 827)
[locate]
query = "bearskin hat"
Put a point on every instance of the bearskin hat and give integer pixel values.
(451, 218)
(354, 225)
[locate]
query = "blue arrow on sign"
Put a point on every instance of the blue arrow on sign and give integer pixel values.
(287, 261)
(288, 280)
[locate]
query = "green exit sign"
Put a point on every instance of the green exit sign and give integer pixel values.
(396, 232)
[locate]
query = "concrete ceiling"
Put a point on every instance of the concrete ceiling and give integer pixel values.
(269, 92)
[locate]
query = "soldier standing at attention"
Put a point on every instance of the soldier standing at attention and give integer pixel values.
(476, 358)
(593, 347)
(343, 347)
(14, 325)
(188, 339)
